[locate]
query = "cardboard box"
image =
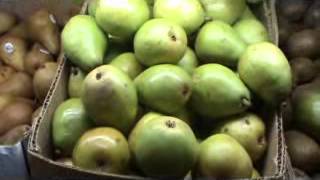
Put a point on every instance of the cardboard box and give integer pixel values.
(13, 163)
(40, 148)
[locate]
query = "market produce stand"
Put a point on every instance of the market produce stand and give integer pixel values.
(37, 156)
(40, 147)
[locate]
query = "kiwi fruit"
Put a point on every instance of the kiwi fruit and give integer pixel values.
(303, 70)
(20, 30)
(7, 21)
(76, 78)
(293, 10)
(15, 134)
(13, 51)
(43, 78)
(14, 114)
(43, 28)
(305, 43)
(19, 84)
(303, 150)
(36, 58)
(5, 73)
(312, 16)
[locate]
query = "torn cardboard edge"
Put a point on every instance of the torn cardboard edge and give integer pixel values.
(39, 146)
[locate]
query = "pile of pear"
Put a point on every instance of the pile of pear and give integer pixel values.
(299, 29)
(28, 52)
(167, 88)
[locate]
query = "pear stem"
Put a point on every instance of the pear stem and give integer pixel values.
(245, 102)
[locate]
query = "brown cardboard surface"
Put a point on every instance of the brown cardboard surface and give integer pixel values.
(40, 147)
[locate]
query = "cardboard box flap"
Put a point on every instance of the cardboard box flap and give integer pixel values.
(41, 151)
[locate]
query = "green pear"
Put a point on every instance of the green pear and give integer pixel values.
(185, 115)
(92, 7)
(189, 14)
(142, 121)
(249, 130)
(83, 42)
(247, 14)
(217, 92)
(147, 117)
(110, 98)
(189, 61)
(150, 2)
(224, 10)
(102, 149)
(160, 41)
(266, 71)
(178, 147)
(128, 64)
(76, 78)
(165, 88)
(218, 42)
(251, 31)
(221, 156)
(255, 174)
(70, 121)
(121, 18)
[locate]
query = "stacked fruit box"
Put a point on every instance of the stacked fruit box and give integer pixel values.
(29, 41)
(55, 138)
(299, 35)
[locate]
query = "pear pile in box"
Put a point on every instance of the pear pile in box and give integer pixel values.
(28, 50)
(299, 27)
(168, 87)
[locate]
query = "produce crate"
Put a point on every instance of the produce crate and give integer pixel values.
(40, 148)
(13, 163)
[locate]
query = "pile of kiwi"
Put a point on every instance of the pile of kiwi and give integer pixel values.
(299, 35)
(28, 53)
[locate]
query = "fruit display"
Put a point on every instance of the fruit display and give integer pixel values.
(299, 34)
(164, 89)
(28, 50)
